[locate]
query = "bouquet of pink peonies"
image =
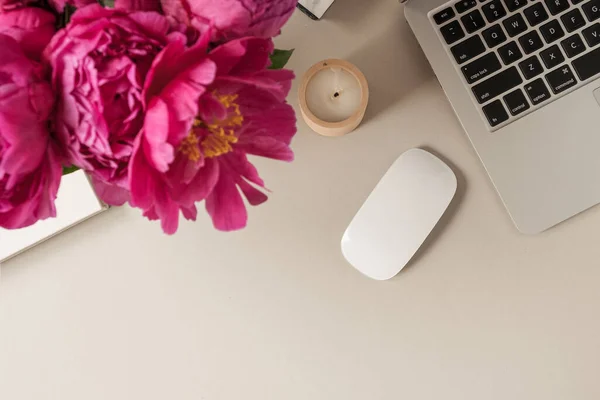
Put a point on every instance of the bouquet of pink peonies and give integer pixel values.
(159, 101)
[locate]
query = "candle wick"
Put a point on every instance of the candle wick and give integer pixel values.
(337, 94)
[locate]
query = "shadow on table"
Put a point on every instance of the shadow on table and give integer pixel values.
(448, 216)
(394, 66)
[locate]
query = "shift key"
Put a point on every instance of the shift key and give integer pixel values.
(497, 84)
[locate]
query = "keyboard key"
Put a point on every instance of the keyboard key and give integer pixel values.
(531, 42)
(452, 32)
(515, 25)
(470, 48)
(552, 31)
(557, 6)
(494, 11)
(443, 16)
(573, 46)
(592, 10)
(576, 1)
(561, 79)
(587, 65)
(473, 21)
(573, 20)
(495, 113)
(465, 5)
(537, 91)
(497, 84)
(531, 67)
(592, 35)
(494, 36)
(536, 14)
(552, 57)
(509, 53)
(481, 68)
(513, 5)
(516, 102)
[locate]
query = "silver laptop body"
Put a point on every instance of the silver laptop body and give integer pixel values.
(541, 150)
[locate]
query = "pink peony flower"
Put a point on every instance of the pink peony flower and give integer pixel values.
(202, 123)
(30, 170)
(31, 27)
(100, 61)
(232, 19)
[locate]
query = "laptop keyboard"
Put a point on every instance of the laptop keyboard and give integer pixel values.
(519, 55)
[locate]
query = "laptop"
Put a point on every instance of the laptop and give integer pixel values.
(521, 76)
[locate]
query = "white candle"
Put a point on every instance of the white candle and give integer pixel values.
(333, 97)
(333, 94)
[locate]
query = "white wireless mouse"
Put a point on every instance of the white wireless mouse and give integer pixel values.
(399, 214)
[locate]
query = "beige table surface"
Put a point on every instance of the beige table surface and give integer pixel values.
(115, 310)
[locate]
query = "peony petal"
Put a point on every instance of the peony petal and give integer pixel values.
(151, 22)
(27, 19)
(255, 197)
(142, 178)
(59, 5)
(228, 55)
(237, 163)
(158, 151)
(172, 63)
(190, 213)
(25, 132)
(276, 120)
(256, 57)
(52, 175)
(92, 12)
(36, 195)
(283, 78)
(201, 186)
(265, 146)
(151, 214)
(232, 19)
(19, 216)
(110, 194)
(168, 212)
(226, 206)
(32, 27)
(277, 90)
(183, 170)
(163, 69)
(138, 5)
(211, 108)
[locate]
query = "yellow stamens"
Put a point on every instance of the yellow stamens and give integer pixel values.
(218, 142)
(221, 133)
(189, 147)
(221, 136)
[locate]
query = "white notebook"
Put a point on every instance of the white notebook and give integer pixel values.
(316, 7)
(75, 203)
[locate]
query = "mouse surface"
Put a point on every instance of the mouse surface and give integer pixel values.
(399, 214)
